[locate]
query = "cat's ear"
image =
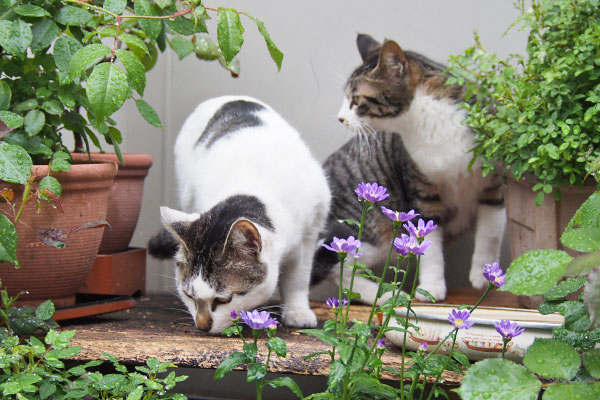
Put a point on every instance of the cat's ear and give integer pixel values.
(391, 59)
(177, 222)
(243, 240)
(367, 46)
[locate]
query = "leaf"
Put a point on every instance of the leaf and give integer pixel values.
(15, 37)
(61, 161)
(34, 122)
(53, 107)
(72, 16)
(116, 6)
(569, 391)
(275, 53)
(256, 372)
(134, 43)
(136, 72)
(87, 56)
(277, 345)
(64, 49)
(229, 33)
(287, 382)
(182, 46)
(536, 272)
(425, 293)
(106, 90)
(230, 362)
(5, 96)
(552, 358)
(337, 372)
(11, 119)
(591, 361)
(29, 10)
(44, 32)
(51, 184)
(8, 241)
(499, 379)
(583, 264)
(562, 289)
(26, 105)
(583, 230)
(136, 394)
(15, 164)
(47, 389)
(148, 113)
(591, 297)
(326, 337)
(151, 27)
(45, 310)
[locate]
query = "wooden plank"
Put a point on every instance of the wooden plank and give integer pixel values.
(160, 327)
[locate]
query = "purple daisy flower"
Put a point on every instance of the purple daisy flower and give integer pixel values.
(371, 192)
(405, 245)
(399, 216)
(335, 303)
(258, 320)
(422, 229)
(423, 346)
(233, 315)
(508, 329)
(459, 318)
(344, 246)
(381, 344)
(494, 274)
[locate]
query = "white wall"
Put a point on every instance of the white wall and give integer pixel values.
(318, 40)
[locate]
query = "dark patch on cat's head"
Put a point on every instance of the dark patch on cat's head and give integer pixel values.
(223, 245)
(383, 86)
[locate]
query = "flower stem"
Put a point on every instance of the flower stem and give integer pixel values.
(405, 333)
(505, 340)
(437, 378)
(361, 226)
(385, 268)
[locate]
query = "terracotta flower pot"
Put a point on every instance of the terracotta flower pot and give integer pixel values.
(124, 200)
(48, 272)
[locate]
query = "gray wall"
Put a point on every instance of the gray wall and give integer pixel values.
(318, 40)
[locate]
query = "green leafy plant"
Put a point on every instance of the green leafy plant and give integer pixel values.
(538, 113)
(69, 65)
(32, 366)
(569, 362)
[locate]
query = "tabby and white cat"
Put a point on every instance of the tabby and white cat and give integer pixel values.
(421, 154)
(254, 202)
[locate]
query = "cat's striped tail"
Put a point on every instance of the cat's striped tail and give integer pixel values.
(163, 245)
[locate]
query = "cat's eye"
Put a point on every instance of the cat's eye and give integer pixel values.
(221, 300)
(354, 101)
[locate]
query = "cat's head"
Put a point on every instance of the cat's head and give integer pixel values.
(220, 267)
(381, 88)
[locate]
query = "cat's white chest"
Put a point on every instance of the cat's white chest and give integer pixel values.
(438, 143)
(434, 135)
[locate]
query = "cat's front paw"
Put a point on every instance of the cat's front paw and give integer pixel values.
(299, 318)
(437, 290)
(477, 279)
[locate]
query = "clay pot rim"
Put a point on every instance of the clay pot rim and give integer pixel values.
(78, 171)
(132, 160)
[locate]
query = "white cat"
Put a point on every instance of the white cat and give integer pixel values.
(254, 201)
